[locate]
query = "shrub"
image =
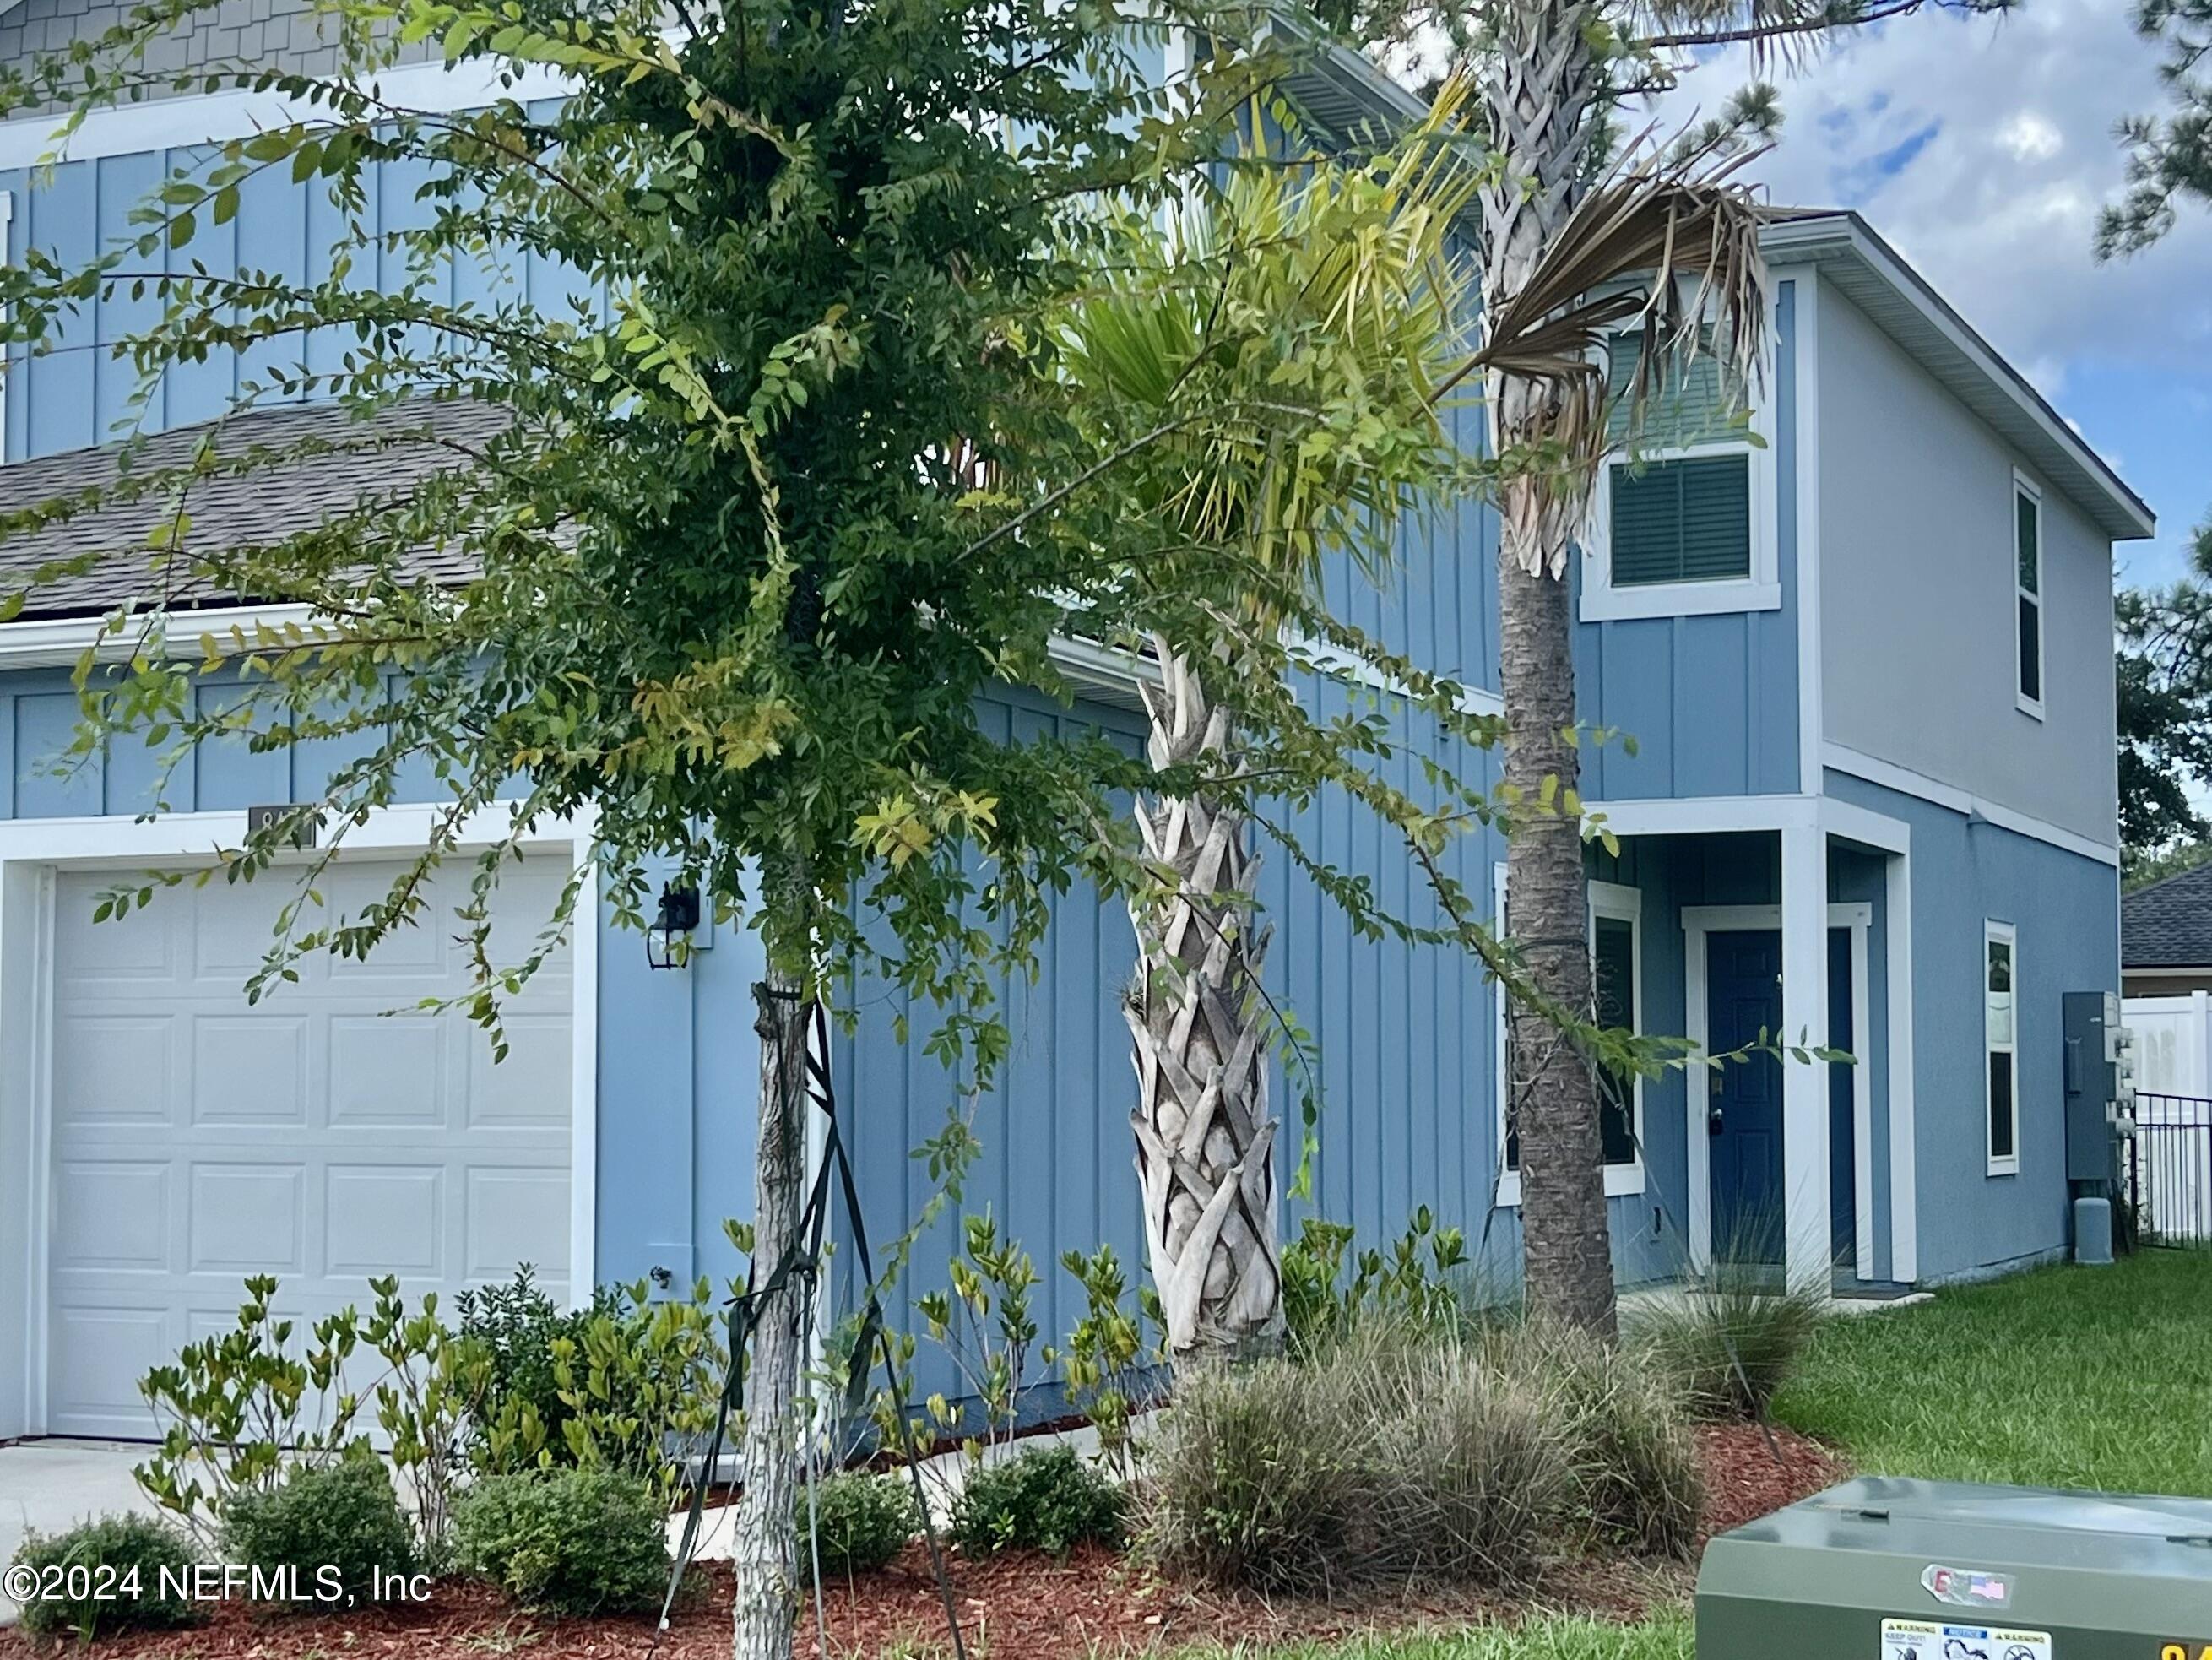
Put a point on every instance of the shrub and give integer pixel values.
(566, 1541)
(622, 1384)
(330, 1528)
(1045, 1499)
(1386, 1455)
(860, 1521)
(1415, 1283)
(1632, 1462)
(1727, 1345)
(107, 1576)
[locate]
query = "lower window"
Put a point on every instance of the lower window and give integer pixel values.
(2001, 1025)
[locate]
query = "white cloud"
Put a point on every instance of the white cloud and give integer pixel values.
(2030, 138)
(1983, 148)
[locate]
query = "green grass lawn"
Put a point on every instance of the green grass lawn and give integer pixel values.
(2063, 1377)
(2075, 1378)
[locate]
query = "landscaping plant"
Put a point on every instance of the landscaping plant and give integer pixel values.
(1389, 1457)
(323, 1532)
(859, 1519)
(107, 1575)
(1726, 1340)
(575, 1541)
(983, 1325)
(1631, 1460)
(1417, 1281)
(1109, 1372)
(1046, 1498)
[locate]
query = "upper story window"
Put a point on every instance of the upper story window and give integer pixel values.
(2027, 593)
(1681, 518)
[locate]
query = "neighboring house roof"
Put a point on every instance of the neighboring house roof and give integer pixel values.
(1875, 279)
(2168, 925)
(227, 511)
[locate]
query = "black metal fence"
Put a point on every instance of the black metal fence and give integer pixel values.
(2169, 1169)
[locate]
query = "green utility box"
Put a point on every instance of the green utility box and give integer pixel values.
(1880, 1568)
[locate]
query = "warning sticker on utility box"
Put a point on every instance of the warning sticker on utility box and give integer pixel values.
(1932, 1639)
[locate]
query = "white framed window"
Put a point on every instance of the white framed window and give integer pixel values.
(1616, 942)
(2000, 1041)
(1683, 515)
(2027, 595)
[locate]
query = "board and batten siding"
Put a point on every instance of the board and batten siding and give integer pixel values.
(1916, 498)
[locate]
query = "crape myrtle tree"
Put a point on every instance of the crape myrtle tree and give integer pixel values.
(1583, 233)
(792, 470)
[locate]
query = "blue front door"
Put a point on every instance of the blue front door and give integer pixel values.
(1743, 1001)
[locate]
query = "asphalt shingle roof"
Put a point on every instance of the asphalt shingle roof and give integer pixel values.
(2168, 925)
(227, 512)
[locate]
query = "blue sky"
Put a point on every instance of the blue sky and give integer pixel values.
(1981, 148)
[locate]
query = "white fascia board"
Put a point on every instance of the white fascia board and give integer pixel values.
(1846, 237)
(167, 123)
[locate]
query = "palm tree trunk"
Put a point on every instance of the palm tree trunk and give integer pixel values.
(1205, 1141)
(765, 1551)
(1540, 105)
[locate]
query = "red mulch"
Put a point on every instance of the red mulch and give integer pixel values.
(1017, 1606)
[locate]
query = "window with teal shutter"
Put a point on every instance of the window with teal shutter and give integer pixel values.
(1681, 522)
(1686, 519)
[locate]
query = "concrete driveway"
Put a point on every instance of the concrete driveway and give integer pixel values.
(48, 1485)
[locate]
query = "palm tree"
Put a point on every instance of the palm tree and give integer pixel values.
(1346, 269)
(1566, 254)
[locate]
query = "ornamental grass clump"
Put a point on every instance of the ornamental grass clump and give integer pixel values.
(1632, 1462)
(1388, 1457)
(1727, 1343)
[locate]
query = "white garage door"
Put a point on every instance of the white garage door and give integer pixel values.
(319, 1135)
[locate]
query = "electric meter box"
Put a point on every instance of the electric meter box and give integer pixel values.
(1884, 1569)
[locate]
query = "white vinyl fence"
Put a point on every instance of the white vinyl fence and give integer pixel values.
(2173, 1113)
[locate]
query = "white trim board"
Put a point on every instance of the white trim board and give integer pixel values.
(1804, 284)
(32, 850)
(1904, 779)
(179, 123)
(1699, 921)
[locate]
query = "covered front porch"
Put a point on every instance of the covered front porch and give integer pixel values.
(1747, 938)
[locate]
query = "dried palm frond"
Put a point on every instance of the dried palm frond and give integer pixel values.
(1671, 245)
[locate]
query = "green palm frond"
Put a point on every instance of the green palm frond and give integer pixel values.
(1299, 320)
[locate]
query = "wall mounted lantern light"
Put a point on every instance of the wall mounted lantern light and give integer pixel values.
(668, 940)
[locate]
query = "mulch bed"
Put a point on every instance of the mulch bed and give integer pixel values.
(1017, 1605)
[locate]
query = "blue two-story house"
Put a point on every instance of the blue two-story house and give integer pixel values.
(1865, 647)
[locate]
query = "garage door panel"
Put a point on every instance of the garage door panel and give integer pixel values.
(385, 1218)
(249, 1068)
(112, 1215)
(515, 1216)
(530, 1087)
(389, 1072)
(248, 1218)
(113, 1068)
(98, 1355)
(330, 1133)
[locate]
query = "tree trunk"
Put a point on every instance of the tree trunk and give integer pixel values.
(1539, 102)
(765, 1556)
(1205, 1142)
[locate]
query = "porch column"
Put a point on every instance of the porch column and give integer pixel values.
(1810, 1245)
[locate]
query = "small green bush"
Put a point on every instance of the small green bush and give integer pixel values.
(860, 1521)
(1632, 1460)
(566, 1541)
(111, 1579)
(327, 1530)
(1046, 1499)
(1391, 1455)
(1727, 1345)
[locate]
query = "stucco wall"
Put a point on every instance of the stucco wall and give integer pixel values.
(2066, 908)
(1918, 647)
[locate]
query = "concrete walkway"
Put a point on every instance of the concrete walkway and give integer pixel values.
(46, 1487)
